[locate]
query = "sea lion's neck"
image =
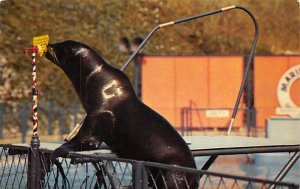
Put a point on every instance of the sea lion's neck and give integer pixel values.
(84, 71)
(98, 84)
(96, 70)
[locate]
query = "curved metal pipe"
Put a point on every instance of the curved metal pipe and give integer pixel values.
(250, 56)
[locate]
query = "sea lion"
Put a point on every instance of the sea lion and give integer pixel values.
(116, 116)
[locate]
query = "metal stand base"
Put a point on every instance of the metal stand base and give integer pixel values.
(34, 164)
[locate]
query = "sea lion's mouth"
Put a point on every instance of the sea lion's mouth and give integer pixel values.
(53, 57)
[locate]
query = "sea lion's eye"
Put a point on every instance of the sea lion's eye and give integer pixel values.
(73, 51)
(69, 51)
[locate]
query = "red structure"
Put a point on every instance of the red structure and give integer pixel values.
(208, 85)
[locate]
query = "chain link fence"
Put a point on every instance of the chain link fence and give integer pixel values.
(107, 171)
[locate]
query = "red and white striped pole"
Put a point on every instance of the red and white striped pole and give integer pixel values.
(35, 94)
(34, 164)
(34, 180)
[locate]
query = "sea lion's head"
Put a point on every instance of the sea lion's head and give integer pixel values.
(87, 69)
(74, 58)
(67, 52)
(77, 60)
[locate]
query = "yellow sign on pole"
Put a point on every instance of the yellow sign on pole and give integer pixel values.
(41, 43)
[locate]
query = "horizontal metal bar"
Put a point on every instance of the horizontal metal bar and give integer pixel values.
(93, 157)
(199, 152)
(246, 150)
(13, 147)
(188, 108)
(197, 16)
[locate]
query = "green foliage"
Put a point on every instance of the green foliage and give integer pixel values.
(100, 24)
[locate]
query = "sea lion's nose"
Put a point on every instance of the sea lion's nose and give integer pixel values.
(50, 49)
(49, 46)
(51, 54)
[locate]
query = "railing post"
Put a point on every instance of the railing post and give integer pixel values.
(50, 117)
(61, 122)
(24, 118)
(1, 118)
(253, 120)
(182, 121)
(187, 120)
(34, 164)
(75, 108)
(139, 179)
(190, 127)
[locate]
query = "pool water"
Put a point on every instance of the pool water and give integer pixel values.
(264, 166)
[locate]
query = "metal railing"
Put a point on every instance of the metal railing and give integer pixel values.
(108, 171)
(205, 119)
(16, 116)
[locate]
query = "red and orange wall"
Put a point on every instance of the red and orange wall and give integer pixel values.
(205, 83)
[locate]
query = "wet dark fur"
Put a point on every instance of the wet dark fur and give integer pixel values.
(130, 128)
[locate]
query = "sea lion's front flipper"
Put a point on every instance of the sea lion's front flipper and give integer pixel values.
(74, 144)
(94, 129)
(101, 124)
(64, 149)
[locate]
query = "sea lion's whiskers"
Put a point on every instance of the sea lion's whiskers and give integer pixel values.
(54, 56)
